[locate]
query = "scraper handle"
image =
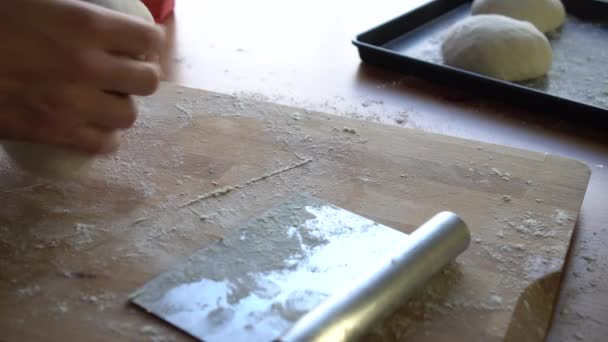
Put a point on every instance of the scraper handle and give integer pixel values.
(351, 312)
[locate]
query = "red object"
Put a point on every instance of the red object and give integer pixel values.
(160, 9)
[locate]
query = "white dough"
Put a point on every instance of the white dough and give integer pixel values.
(546, 15)
(498, 46)
(46, 160)
(132, 7)
(58, 162)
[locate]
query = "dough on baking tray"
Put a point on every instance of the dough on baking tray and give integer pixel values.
(498, 46)
(546, 15)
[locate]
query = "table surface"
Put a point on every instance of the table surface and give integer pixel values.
(299, 53)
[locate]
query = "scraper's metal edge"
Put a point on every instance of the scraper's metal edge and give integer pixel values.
(348, 314)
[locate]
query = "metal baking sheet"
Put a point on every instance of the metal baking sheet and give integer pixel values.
(576, 86)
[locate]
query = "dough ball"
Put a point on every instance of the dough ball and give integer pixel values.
(58, 162)
(47, 161)
(546, 15)
(498, 46)
(131, 7)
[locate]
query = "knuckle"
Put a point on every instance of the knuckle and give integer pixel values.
(39, 129)
(52, 104)
(90, 20)
(81, 68)
(146, 40)
(43, 129)
(86, 19)
(152, 38)
(150, 79)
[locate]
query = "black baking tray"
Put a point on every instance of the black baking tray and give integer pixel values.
(576, 87)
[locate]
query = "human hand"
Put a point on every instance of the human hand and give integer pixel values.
(67, 70)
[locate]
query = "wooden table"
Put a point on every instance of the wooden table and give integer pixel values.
(299, 53)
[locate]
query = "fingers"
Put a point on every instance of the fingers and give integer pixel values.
(102, 109)
(117, 74)
(110, 50)
(79, 104)
(124, 34)
(93, 140)
(133, 37)
(125, 75)
(111, 30)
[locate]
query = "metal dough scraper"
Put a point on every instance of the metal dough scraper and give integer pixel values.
(303, 271)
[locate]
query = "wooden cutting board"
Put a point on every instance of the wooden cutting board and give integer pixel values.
(72, 251)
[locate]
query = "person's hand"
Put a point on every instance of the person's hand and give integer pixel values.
(67, 69)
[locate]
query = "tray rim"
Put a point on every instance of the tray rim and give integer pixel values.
(367, 43)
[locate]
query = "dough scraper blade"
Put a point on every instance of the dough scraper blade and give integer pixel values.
(303, 271)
